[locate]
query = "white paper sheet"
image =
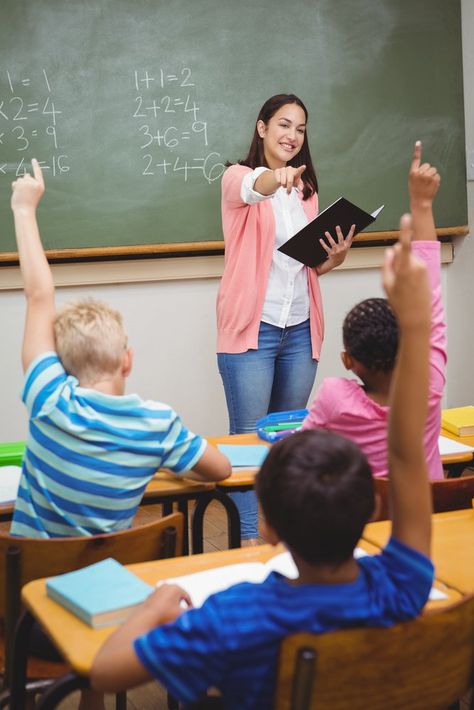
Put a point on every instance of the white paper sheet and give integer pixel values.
(9, 482)
(449, 446)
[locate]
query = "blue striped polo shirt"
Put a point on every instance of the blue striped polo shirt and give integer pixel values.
(89, 455)
(232, 641)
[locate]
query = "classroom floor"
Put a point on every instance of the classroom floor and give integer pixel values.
(152, 696)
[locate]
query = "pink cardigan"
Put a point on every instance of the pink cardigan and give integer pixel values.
(249, 236)
(341, 404)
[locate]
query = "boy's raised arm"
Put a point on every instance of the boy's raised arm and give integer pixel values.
(405, 280)
(37, 279)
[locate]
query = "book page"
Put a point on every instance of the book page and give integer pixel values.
(449, 446)
(201, 585)
(9, 482)
(284, 564)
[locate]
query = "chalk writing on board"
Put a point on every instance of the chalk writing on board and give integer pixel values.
(173, 134)
(29, 120)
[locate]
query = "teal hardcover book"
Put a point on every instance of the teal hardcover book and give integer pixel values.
(244, 454)
(102, 594)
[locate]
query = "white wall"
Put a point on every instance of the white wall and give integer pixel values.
(460, 310)
(171, 324)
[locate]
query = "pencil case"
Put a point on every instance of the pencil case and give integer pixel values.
(277, 425)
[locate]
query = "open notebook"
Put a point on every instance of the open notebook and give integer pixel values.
(201, 585)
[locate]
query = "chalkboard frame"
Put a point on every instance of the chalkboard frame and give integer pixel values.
(186, 249)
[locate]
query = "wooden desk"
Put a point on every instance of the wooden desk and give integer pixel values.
(239, 480)
(452, 546)
(167, 489)
(455, 463)
(79, 643)
(243, 480)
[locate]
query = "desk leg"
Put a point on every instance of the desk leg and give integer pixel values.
(167, 508)
(183, 508)
(21, 644)
(197, 524)
(233, 520)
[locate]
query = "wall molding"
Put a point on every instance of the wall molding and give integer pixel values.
(172, 269)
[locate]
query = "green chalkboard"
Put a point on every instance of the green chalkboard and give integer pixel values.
(133, 106)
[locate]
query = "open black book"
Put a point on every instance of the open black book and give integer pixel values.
(304, 246)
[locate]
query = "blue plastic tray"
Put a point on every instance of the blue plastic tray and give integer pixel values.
(275, 418)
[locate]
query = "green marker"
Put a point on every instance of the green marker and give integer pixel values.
(282, 426)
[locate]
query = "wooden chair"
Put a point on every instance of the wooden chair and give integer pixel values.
(25, 559)
(424, 664)
(448, 494)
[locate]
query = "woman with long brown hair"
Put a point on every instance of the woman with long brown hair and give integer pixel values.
(269, 312)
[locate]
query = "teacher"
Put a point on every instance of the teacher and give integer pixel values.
(269, 313)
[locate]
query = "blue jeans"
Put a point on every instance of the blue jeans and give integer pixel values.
(276, 377)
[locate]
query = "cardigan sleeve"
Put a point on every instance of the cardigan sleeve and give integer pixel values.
(232, 185)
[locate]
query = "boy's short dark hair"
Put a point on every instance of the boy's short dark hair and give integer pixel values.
(316, 491)
(370, 334)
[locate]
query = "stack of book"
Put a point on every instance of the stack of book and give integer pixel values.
(102, 594)
(459, 420)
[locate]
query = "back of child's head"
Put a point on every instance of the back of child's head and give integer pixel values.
(316, 491)
(90, 339)
(370, 334)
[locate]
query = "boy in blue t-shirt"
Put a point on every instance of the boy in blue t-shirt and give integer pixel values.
(316, 493)
(91, 448)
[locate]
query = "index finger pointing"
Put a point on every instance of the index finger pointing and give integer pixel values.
(37, 172)
(416, 159)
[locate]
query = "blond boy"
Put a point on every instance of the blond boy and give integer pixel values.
(91, 448)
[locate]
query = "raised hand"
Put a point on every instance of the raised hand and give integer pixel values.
(405, 280)
(423, 179)
(289, 177)
(27, 190)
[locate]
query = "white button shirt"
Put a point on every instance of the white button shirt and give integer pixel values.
(286, 298)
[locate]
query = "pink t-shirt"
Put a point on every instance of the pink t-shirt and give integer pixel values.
(341, 404)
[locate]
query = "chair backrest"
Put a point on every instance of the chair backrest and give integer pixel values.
(424, 664)
(448, 494)
(23, 559)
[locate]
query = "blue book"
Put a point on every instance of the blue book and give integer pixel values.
(102, 594)
(244, 454)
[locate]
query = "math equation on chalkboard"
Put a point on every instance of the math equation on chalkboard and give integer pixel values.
(26, 123)
(171, 129)
(170, 134)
